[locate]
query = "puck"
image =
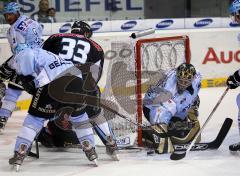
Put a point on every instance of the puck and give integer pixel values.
(150, 152)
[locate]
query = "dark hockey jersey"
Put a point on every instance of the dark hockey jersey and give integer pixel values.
(77, 48)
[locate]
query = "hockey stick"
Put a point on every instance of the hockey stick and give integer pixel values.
(178, 156)
(35, 155)
(142, 33)
(213, 145)
(121, 115)
(162, 135)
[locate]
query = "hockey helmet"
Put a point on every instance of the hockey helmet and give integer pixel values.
(234, 10)
(11, 7)
(185, 74)
(82, 28)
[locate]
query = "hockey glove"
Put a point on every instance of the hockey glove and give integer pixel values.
(6, 72)
(233, 81)
(28, 84)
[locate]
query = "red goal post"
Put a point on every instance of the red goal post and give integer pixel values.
(138, 64)
(172, 42)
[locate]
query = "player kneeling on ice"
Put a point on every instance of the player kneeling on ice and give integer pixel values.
(171, 107)
(55, 84)
(233, 81)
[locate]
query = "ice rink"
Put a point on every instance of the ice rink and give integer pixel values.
(53, 162)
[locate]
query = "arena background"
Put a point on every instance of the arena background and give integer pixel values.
(213, 36)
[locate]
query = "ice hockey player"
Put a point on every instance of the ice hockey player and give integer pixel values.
(22, 30)
(233, 81)
(55, 84)
(171, 107)
(80, 49)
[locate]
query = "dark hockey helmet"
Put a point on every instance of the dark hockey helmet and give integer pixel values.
(82, 28)
(185, 74)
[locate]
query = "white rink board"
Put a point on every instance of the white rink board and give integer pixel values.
(73, 163)
(215, 51)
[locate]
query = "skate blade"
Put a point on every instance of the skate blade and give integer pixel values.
(115, 157)
(16, 167)
(95, 161)
(236, 153)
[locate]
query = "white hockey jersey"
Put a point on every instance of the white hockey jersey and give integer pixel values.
(25, 30)
(44, 66)
(178, 104)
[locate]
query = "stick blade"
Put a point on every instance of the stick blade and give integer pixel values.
(177, 156)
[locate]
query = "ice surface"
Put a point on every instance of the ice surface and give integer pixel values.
(72, 162)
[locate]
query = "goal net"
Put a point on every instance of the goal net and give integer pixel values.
(138, 65)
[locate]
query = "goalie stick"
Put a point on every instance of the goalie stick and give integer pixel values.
(179, 156)
(213, 145)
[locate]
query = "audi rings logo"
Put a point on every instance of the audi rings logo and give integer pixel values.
(64, 28)
(204, 22)
(96, 26)
(164, 24)
(128, 25)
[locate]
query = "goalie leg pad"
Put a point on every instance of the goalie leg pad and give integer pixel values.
(185, 130)
(152, 139)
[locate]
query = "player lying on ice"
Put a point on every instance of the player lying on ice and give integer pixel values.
(171, 107)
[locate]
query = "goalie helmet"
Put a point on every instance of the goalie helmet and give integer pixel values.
(185, 74)
(82, 28)
(234, 10)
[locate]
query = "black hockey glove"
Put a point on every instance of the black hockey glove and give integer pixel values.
(5, 71)
(28, 84)
(233, 81)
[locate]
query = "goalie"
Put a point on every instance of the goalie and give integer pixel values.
(171, 107)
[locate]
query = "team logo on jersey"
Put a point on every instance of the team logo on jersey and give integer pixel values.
(128, 25)
(203, 22)
(22, 26)
(64, 28)
(96, 26)
(164, 24)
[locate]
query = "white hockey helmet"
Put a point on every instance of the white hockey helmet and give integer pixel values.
(234, 11)
(11, 7)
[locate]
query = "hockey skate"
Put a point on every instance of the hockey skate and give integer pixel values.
(234, 147)
(18, 157)
(112, 149)
(90, 152)
(3, 121)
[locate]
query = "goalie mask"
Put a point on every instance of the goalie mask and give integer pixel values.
(185, 74)
(234, 10)
(82, 28)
